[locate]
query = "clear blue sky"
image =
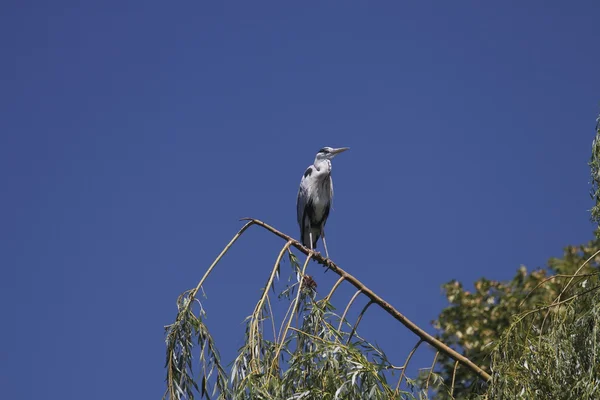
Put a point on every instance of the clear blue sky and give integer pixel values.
(133, 135)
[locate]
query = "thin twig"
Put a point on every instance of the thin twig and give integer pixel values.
(406, 364)
(335, 286)
(577, 272)
(285, 317)
(170, 387)
(453, 379)
(347, 308)
(272, 319)
(549, 306)
(313, 337)
(438, 345)
(565, 300)
(291, 307)
(296, 304)
(355, 327)
(579, 277)
(209, 270)
(549, 279)
(190, 300)
(254, 345)
(431, 371)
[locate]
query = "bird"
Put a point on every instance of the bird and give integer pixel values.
(314, 198)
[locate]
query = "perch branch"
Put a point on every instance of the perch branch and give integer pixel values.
(438, 345)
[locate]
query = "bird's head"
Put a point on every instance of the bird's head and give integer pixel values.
(328, 153)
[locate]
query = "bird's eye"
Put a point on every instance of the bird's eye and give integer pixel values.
(324, 150)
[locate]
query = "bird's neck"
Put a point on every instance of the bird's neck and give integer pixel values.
(323, 167)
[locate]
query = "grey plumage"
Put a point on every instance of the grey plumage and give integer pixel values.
(314, 198)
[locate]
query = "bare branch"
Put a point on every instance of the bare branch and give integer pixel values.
(225, 250)
(431, 371)
(406, 364)
(355, 327)
(453, 379)
(347, 308)
(333, 289)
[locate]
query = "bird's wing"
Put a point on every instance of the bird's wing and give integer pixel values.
(301, 210)
(302, 199)
(326, 214)
(301, 204)
(331, 197)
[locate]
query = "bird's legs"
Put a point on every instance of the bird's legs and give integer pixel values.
(324, 243)
(310, 235)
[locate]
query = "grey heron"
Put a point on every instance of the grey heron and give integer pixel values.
(314, 198)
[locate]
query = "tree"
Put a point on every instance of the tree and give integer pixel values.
(495, 324)
(315, 354)
(536, 336)
(511, 329)
(475, 320)
(594, 164)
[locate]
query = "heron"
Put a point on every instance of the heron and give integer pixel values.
(314, 198)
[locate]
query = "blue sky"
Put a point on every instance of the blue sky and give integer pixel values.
(133, 136)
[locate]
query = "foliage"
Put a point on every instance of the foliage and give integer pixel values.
(180, 348)
(594, 164)
(554, 351)
(487, 323)
(322, 362)
(537, 335)
(321, 356)
(475, 320)
(514, 329)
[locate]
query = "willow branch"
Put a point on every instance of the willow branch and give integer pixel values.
(355, 327)
(453, 379)
(575, 274)
(347, 308)
(438, 345)
(431, 371)
(255, 351)
(333, 289)
(209, 270)
(549, 279)
(275, 362)
(406, 364)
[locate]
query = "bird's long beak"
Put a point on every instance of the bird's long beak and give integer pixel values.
(338, 151)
